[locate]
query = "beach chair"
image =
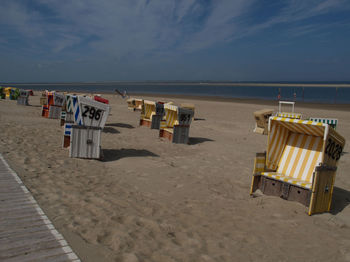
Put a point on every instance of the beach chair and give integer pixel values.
(262, 120)
(138, 104)
(7, 91)
(300, 163)
(43, 98)
(23, 97)
(291, 114)
(330, 121)
(2, 93)
(131, 104)
(175, 125)
(148, 110)
(14, 93)
(90, 117)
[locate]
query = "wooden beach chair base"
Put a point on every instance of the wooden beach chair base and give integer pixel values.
(66, 141)
(166, 134)
(178, 134)
(145, 122)
(85, 142)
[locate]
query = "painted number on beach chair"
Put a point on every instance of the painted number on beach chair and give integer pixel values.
(184, 118)
(333, 149)
(91, 112)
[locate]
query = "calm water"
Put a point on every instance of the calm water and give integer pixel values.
(308, 94)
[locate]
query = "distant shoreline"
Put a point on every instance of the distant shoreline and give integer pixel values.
(186, 83)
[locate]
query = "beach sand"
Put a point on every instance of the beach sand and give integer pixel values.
(151, 200)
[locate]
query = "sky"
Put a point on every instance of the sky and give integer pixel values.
(189, 40)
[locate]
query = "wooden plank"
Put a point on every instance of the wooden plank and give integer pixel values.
(17, 199)
(27, 238)
(25, 231)
(26, 234)
(21, 213)
(60, 258)
(30, 221)
(20, 202)
(46, 254)
(16, 208)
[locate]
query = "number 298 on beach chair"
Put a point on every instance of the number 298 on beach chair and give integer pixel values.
(300, 163)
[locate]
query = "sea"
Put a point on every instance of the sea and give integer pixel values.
(317, 93)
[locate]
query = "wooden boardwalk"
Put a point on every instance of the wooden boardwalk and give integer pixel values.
(26, 233)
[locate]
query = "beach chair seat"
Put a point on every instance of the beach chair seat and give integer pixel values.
(300, 162)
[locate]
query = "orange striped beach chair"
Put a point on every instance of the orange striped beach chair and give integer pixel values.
(300, 163)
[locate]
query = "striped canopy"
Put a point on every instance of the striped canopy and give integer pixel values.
(281, 132)
(307, 127)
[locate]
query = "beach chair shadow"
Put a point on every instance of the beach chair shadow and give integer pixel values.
(122, 125)
(116, 154)
(111, 130)
(198, 140)
(341, 199)
(199, 119)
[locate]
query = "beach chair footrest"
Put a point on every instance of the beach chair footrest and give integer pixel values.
(145, 122)
(273, 187)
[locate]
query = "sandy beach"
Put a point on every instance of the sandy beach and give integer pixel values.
(151, 200)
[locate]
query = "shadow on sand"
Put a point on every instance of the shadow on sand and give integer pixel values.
(198, 119)
(122, 125)
(115, 154)
(198, 140)
(341, 199)
(111, 130)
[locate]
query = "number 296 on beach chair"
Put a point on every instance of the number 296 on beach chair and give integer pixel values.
(300, 163)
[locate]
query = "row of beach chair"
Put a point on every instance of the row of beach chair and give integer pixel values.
(173, 122)
(299, 164)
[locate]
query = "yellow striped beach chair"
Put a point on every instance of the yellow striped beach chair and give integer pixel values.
(131, 104)
(7, 91)
(175, 125)
(148, 110)
(300, 163)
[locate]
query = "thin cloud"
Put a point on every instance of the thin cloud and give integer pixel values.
(137, 28)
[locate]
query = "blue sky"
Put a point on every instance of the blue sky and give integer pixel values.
(219, 40)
